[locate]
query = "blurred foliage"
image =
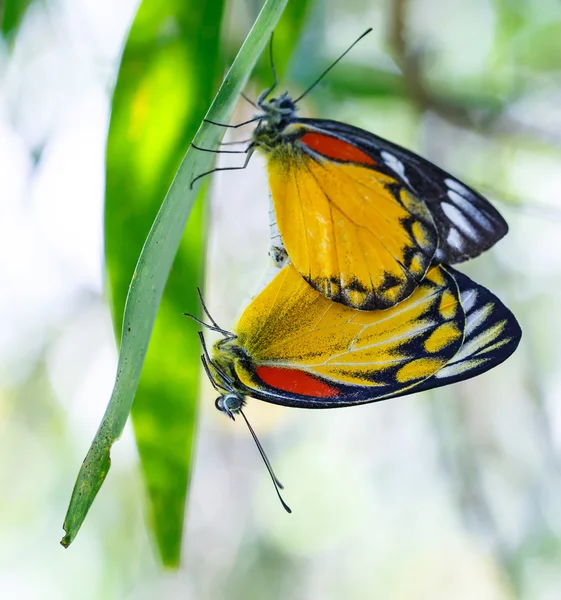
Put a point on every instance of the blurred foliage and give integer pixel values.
(11, 15)
(166, 80)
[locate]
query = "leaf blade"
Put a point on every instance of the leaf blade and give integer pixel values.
(152, 269)
(156, 110)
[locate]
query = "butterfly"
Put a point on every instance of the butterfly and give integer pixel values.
(292, 346)
(362, 218)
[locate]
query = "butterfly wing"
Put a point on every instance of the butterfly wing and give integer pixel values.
(492, 334)
(466, 222)
(295, 347)
(353, 231)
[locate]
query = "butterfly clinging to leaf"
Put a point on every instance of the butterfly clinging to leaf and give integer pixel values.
(363, 219)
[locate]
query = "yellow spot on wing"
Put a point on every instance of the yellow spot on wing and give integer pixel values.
(448, 305)
(421, 234)
(441, 337)
(419, 369)
(436, 276)
(392, 294)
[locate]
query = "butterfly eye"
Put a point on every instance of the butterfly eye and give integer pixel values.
(285, 104)
(229, 404)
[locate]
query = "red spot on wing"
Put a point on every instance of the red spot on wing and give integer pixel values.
(298, 382)
(331, 147)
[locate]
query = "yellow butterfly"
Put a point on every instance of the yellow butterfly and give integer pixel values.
(363, 219)
(294, 347)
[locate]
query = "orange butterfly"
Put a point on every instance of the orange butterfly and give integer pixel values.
(294, 347)
(363, 219)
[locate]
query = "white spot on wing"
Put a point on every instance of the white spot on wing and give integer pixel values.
(477, 318)
(454, 239)
(394, 164)
(457, 187)
(477, 344)
(454, 368)
(471, 210)
(455, 215)
(468, 299)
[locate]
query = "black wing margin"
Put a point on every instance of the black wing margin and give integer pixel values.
(467, 223)
(492, 334)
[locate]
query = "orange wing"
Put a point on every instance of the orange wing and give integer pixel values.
(353, 232)
(290, 330)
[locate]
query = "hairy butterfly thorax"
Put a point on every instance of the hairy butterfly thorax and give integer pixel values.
(273, 129)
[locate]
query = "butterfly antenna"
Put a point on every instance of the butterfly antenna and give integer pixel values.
(332, 65)
(278, 485)
(273, 69)
(264, 94)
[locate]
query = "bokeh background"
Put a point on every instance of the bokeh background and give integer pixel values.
(454, 493)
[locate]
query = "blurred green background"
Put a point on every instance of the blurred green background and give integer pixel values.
(450, 494)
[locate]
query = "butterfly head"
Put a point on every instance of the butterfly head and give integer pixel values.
(277, 112)
(230, 404)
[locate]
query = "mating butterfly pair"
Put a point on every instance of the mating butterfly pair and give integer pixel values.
(363, 307)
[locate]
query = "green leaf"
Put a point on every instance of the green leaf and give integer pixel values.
(152, 271)
(165, 85)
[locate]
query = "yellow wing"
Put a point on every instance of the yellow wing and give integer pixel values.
(355, 234)
(290, 325)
